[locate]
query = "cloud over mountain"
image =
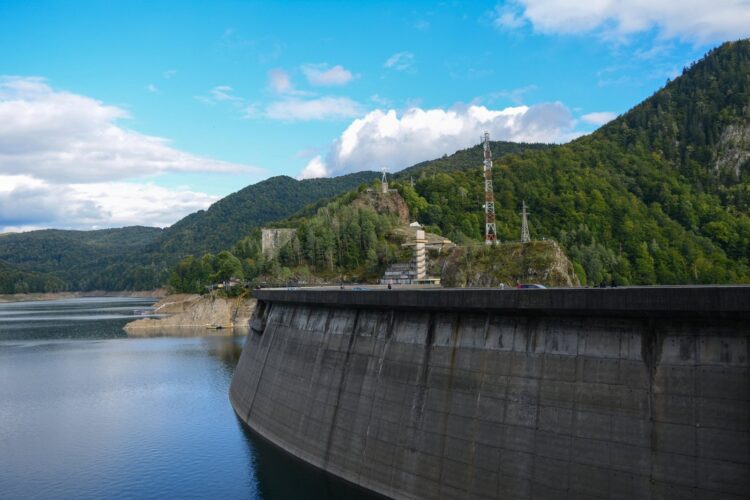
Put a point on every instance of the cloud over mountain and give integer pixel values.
(385, 139)
(65, 160)
(27, 203)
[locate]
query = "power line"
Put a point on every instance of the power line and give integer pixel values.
(525, 237)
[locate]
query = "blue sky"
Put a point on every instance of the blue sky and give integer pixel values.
(120, 113)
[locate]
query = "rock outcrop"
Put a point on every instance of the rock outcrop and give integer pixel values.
(541, 262)
(390, 202)
(733, 151)
(195, 312)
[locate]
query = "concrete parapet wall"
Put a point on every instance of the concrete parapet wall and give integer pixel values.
(627, 393)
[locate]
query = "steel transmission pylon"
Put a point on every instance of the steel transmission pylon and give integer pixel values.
(490, 231)
(525, 237)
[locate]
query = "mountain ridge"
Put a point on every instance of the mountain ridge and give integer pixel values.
(624, 206)
(640, 200)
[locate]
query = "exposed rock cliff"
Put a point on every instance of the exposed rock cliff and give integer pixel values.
(541, 262)
(390, 202)
(195, 311)
(733, 150)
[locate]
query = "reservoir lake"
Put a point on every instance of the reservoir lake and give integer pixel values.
(87, 412)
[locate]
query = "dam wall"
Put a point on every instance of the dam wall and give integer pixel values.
(561, 393)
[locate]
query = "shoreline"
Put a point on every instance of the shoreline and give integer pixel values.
(189, 313)
(42, 296)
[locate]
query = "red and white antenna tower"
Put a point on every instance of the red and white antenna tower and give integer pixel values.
(490, 231)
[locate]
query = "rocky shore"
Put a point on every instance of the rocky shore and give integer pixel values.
(195, 314)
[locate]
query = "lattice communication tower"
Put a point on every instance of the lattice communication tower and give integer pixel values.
(490, 231)
(525, 236)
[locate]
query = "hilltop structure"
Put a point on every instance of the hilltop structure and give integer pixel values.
(415, 272)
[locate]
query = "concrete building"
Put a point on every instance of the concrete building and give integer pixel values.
(415, 272)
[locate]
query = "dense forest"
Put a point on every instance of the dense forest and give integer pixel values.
(341, 241)
(14, 280)
(659, 195)
(230, 218)
(109, 259)
(642, 200)
(466, 159)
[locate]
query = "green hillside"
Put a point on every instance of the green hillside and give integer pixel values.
(232, 217)
(14, 280)
(134, 258)
(466, 159)
(83, 260)
(641, 200)
(660, 195)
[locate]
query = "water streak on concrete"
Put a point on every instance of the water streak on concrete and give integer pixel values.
(578, 393)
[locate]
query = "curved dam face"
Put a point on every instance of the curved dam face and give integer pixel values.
(565, 393)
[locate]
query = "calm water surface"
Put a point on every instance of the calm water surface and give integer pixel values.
(86, 412)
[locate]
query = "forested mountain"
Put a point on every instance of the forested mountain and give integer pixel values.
(80, 260)
(659, 195)
(134, 258)
(700, 122)
(232, 217)
(467, 158)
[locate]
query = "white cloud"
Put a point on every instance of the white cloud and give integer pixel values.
(599, 118)
(169, 74)
(385, 139)
(698, 21)
(279, 81)
(315, 168)
(320, 74)
(28, 203)
(59, 136)
(152, 88)
(65, 162)
(223, 93)
(323, 108)
(506, 16)
(400, 61)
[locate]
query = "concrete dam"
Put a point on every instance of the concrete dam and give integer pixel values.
(488, 393)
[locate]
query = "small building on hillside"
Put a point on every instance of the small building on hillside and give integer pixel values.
(415, 272)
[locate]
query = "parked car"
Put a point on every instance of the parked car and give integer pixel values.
(530, 285)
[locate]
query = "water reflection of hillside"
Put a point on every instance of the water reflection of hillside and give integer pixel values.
(281, 475)
(228, 351)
